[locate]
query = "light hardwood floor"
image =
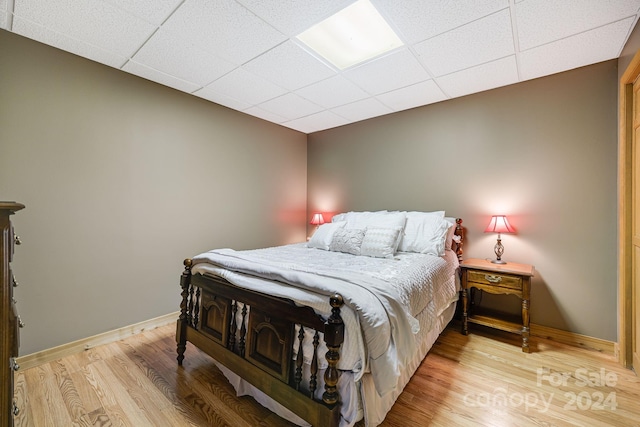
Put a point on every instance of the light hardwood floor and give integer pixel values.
(482, 379)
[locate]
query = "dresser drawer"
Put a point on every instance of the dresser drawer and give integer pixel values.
(494, 279)
(14, 330)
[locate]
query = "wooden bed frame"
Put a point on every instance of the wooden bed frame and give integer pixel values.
(212, 310)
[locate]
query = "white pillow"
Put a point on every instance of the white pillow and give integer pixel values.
(321, 239)
(452, 231)
(347, 240)
(426, 234)
(413, 229)
(351, 214)
(380, 242)
(339, 217)
(379, 219)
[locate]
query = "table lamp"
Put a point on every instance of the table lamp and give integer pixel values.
(499, 224)
(317, 220)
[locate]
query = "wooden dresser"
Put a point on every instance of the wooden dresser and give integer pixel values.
(9, 322)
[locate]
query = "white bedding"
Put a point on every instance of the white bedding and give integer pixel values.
(382, 296)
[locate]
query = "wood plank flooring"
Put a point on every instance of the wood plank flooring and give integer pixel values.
(482, 379)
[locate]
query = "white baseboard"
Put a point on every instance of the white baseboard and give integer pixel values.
(51, 354)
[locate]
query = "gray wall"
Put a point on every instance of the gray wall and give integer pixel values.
(123, 179)
(543, 152)
(630, 49)
(107, 164)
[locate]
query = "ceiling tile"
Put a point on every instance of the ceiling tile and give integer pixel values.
(294, 16)
(154, 11)
(418, 20)
(289, 66)
(224, 28)
(483, 77)
(413, 96)
(393, 71)
(3, 14)
(481, 41)
(316, 122)
(60, 41)
(92, 21)
(246, 87)
(290, 106)
(265, 115)
(544, 21)
(172, 55)
(361, 110)
(586, 48)
(332, 92)
(159, 77)
(247, 54)
(221, 99)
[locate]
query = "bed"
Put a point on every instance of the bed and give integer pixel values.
(327, 332)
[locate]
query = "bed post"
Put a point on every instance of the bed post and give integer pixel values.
(181, 332)
(333, 337)
(459, 241)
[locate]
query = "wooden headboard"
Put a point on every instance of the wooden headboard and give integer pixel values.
(456, 246)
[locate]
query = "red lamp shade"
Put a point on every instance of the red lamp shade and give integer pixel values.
(499, 224)
(317, 219)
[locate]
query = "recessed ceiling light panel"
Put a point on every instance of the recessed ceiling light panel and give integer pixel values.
(353, 35)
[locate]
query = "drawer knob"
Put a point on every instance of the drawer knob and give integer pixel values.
(492, 278)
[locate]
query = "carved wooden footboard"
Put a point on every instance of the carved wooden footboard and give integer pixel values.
(253, 335)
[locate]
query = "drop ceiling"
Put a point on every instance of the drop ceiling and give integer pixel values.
(244, 54)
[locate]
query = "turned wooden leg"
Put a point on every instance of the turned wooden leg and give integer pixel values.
(181, 341)
(183, 320)
(333, 337)
(525, 325)
(465, 307)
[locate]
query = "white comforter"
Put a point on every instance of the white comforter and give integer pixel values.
(383, 295)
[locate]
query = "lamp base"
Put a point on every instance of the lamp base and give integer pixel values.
(499, 250)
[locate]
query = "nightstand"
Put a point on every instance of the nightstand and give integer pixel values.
(507, 279)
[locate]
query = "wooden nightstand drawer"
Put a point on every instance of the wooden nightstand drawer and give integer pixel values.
(494, 279)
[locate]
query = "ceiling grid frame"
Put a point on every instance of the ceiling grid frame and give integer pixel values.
(258, 72)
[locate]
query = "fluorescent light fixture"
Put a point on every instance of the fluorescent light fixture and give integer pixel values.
(353, 35)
